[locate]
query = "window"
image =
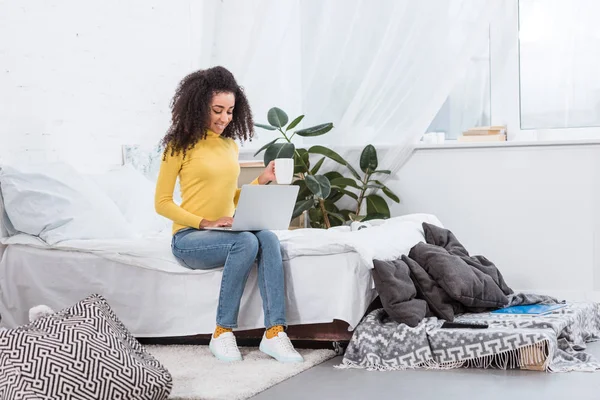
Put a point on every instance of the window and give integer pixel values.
(468, 104)
(559, 63)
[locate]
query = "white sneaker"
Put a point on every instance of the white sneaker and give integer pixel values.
(225, 347)
(280, 348)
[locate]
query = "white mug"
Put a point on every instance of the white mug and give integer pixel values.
(284, 170)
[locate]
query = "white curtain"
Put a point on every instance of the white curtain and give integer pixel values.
(379, 70)
(259, 42)
(382, 73)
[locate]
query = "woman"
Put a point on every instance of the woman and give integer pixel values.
(209, 112)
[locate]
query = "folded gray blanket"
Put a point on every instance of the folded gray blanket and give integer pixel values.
(552, 342)
(439, 278)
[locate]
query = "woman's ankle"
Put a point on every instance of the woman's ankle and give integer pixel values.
(273, 331)
(219, 330)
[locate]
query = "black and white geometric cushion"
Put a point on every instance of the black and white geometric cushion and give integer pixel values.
(82, 352)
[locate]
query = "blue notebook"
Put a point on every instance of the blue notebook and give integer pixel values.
(533, 309)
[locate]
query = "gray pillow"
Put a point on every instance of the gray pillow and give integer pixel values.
(83, 352)
(397, 292)
(465, 284)
(446, 239)
(440, 303)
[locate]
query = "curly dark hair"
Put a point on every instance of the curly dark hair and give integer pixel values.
(190, 110)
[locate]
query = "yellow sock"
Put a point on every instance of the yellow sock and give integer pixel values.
(219, 330)
(274, 331)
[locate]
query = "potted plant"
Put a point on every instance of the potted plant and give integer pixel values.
(319, 192)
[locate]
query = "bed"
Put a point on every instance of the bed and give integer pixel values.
(160, 298)
(327, 272)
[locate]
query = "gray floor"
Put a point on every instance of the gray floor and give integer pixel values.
(326, 382)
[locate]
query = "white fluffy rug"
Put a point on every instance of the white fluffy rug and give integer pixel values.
(198, 375)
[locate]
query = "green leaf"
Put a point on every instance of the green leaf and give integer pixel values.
(346, 214)
(266, 145)
(383, 171)
(302, 206)
(313, 184)
(390, 194)
(335, 195)
(369, 217)
(279, 150)
(377, 205)
(344, 182)
(317, 130)
(332, 175)
(295, 122)
(353, 172)
(303, 191)
(330, 206)
(315, 216)
(324, 151)
(368, 159)
(317, 166)
(267, 127)
(325, 185)
(333, 211)
(319, 185)
(301, 161)
(373, 186)
(339, 217)
(355, 217)
(386, 190)
(277, 117)
(346, 192)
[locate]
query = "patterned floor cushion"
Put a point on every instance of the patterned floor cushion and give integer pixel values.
(82, 352)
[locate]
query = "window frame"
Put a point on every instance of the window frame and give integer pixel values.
(505, 82)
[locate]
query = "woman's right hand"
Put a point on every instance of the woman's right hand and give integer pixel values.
(223, 221)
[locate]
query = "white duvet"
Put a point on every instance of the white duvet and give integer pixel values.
(388, 241)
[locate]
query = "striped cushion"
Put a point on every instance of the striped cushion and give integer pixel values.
(81, 352)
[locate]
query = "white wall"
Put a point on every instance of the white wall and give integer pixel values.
(78, 79)
(531, 210)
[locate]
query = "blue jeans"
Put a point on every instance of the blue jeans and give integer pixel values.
(237, 251)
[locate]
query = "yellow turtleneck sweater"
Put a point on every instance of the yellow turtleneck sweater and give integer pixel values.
(208, 178)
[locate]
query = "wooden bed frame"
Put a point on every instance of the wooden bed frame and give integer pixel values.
(334, 334)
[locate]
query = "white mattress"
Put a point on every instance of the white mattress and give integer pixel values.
(176, 301)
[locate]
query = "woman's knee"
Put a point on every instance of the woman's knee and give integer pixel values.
(267, 238)
(248, 242)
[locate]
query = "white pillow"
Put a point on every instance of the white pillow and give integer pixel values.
(133, 193)
(388, 239)
(54, 202)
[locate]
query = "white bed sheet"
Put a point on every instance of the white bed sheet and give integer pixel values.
(172, 300)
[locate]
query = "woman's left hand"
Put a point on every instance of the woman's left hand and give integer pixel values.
(268, 174)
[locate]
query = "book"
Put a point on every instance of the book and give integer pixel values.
(482, 138)
(485, 130)
(533, 309)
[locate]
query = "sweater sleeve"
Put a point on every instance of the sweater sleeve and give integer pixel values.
(163, 197)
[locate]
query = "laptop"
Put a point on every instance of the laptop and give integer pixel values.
(263, 207)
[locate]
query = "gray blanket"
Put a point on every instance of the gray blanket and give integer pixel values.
(552, 343)
(438, 278)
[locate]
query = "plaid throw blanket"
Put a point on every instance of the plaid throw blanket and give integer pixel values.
(553, 342)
